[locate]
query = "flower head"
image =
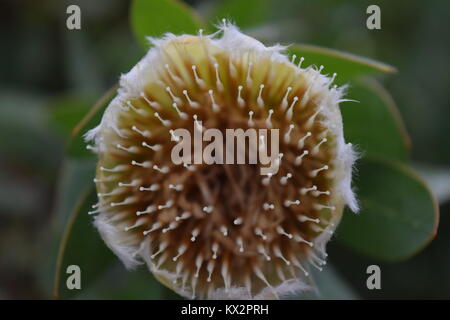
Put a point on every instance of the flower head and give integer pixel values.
(222, 230)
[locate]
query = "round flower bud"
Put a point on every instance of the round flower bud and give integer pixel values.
(246, 221)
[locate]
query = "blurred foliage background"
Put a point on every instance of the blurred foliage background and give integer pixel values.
(50, 77)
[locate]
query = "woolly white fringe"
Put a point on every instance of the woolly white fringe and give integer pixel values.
(123, 246)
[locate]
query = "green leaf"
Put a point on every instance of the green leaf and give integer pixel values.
(399, 215)
(244, 14)
(438, 178)
(75, 177)
(76, 146)
(346, 65)
(374, 124)
(330, 286)
(81, 246)
(81, 63)
(118, 283)
(75, 195)
(24, 132)
(67, 111)
(153, 18)
(73, 118)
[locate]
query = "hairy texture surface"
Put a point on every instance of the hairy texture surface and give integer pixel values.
(222, 231)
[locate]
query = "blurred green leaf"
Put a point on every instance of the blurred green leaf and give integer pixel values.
(75, 176)
(398, 217)
(153, 18)
(76, 194)
(374, 124)
(87, 119)
(330, 286)
(81, 63)
(67, 111)
(24, 131)
(72, 115)
(118, 283)
(438, 178)
(13, 187)
(346, 65)
(81, 246)
(245, 14)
